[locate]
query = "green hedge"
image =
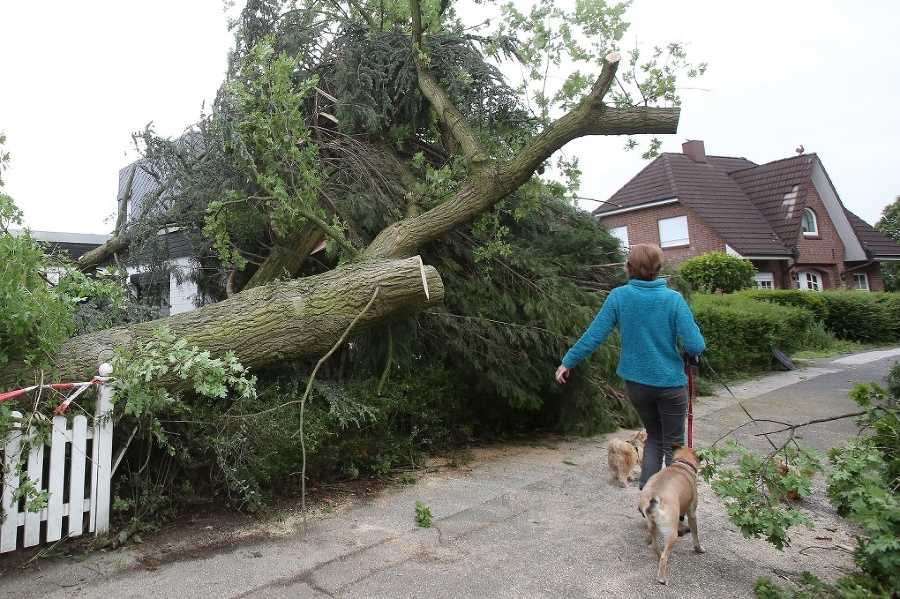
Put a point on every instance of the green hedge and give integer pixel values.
(814, 302)
(863, 317)
(740, 331)
(848, 315)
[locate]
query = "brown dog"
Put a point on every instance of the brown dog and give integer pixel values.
(623, 455)
(668, 494)
(792, 494)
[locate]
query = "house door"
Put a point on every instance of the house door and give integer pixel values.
(808, 281)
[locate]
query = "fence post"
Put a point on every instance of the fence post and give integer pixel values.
(102, 471)
(9, 529)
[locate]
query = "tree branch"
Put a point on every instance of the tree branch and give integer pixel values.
(492, 181)
(287, 256)
(793, 427)
(447, 111)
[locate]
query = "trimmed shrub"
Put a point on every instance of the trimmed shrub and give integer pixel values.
(717, 271)
(740, 331)
(848, 315)
(889, 311)
(814, 302)
(863, 317)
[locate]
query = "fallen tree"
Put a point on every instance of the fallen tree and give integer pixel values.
(287, 319)
(449, 144)
(356, 174)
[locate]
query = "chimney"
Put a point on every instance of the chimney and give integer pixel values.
(694, 150)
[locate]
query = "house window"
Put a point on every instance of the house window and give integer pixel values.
(764, 280)
(861, 282)
(808, 281)
(808, 222)
(152, 289)
(673, 232)
(620, 233)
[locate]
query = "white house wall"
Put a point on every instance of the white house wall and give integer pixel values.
(853, 250)
(181, 297)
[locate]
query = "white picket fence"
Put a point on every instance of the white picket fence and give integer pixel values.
(75, 469)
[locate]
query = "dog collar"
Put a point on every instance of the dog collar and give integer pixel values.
(687, 465)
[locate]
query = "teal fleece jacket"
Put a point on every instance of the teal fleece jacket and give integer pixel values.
(650, 317)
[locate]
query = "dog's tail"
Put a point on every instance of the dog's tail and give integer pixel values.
(653, 509)
(656, 514)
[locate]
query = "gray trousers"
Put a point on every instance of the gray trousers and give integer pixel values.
(663, 412)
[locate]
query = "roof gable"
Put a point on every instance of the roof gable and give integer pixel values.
(140, 183)
(653, 183)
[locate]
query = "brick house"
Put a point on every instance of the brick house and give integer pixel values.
(784, 216)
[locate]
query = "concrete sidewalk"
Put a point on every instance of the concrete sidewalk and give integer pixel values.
(533, 521)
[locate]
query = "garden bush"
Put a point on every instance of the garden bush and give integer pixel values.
(717, 271)
(848, 315)
(740, 331)
(814, 302)
(863, 317)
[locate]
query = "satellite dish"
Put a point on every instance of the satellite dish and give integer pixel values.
(782, 359)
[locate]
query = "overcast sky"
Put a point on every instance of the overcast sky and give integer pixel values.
(77, 79)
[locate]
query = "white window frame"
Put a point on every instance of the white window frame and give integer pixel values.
(861, 282)
(673, 232)
(621, 233)
(809, 215)
(807, 280)
(764, 280)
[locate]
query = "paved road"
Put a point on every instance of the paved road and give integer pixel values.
(532, 522)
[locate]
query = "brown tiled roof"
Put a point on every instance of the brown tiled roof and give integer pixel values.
(876, 244)
(707, 190)
(766, 186)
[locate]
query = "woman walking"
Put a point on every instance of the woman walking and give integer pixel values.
(651, 319)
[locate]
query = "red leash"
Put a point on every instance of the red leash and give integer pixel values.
(689, 371)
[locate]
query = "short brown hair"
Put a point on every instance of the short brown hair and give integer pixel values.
(645, 260)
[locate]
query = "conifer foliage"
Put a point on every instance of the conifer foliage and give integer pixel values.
(364, 131)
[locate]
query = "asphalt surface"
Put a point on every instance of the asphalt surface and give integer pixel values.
(533, 521)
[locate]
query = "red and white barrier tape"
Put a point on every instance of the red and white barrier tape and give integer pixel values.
(61, 408)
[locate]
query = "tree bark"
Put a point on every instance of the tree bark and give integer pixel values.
(90, 260)
(278, 321)
(119, 243)
(287, 256)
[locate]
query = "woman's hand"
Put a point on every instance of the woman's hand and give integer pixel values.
(562, 373)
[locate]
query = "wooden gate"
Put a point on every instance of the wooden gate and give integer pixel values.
(74, 470)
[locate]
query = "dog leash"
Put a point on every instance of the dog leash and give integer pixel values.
(716, 374)
(689, 363)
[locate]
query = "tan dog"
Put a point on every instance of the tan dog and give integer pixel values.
(623, 455)
(668, 494)
(792, 494)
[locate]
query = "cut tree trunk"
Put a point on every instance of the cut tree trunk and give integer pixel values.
(274, 322)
